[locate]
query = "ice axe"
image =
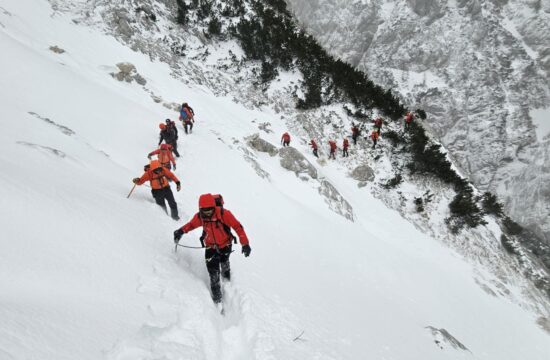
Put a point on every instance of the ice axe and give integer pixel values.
(131, 191)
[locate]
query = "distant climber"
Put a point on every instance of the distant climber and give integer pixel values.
(187, 116)
(345, 146)
(285, 139)
(378, 124)
(409, 117)
(164, 155)
(172, 125)
(313, 145)
(217, 240)
(333, 147)
(355, 132)
(169, 135)
(374, 136)
(158, 176)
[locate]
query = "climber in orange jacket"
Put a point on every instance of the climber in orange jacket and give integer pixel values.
(164, 155)
(345, 146)
(285, 139)
(157, 176)
(217, 223)
(333, 148)
(374, 136)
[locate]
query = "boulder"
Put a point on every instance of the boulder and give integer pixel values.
(293, 160)
(259, 144)
(363, 173)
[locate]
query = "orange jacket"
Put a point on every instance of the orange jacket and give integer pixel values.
(345, 144)
(213, 228)
(157, 181)
(165, 156)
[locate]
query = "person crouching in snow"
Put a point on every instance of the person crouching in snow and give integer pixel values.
(216, 223)
(157, 176)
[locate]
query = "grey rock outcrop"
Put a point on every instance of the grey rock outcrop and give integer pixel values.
(335, 200)
(293, 160)
(261, 145)
(127, 72)
(363, 173)
(56, 49)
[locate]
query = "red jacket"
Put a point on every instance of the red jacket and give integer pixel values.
(345, 144)
(355, 131)
(213, 227)
(313, 144)
(285, 137)
(157, 181)
(408, 117)
(332, 145)
(165, 156)
(374, 135)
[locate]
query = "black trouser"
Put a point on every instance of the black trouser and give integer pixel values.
(345, 152)
(374, 143)
(160, 195)
(354, 137)
(332, 154)
(174, 145)
(315, 153)
(217, 260)
(186, 124)
(286, 143)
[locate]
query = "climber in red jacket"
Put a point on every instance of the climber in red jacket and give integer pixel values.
(285, 139)
(217, 223)
(345, 146)
(333, 148)
(313, 145)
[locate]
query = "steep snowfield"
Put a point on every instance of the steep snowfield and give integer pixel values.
(87, 274)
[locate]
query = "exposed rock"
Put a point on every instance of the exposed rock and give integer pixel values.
(259, 144)
(56, 49)
(172, 106)
(335, 201)
(293, 160)
(363, 173)
(127, 72)
(442, 337)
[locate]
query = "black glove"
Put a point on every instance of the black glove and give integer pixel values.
(177, 235)
(135, 180)
(178, 186)
(174, 166)
(246, 250)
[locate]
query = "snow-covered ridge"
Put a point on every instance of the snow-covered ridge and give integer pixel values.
(88, 274)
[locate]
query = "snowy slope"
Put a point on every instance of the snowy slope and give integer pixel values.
(89, 274)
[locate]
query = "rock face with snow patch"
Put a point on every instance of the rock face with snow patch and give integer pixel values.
(335, 201)
(261, 145)
(293, 160)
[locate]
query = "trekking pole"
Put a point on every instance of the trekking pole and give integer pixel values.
(131, 191)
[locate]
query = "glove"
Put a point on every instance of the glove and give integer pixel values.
(149, 156)
(178, 186)
(246, 250)
(177, 235)
(135, 180)
(174, 166)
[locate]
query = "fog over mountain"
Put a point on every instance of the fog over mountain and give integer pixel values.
(480, 69)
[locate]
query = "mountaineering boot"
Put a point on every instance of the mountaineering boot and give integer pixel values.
(226, 271)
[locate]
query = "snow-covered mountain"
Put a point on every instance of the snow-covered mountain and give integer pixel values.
(341, 268)
(480, 69)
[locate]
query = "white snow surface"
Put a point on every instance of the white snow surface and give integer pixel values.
(87, 274)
